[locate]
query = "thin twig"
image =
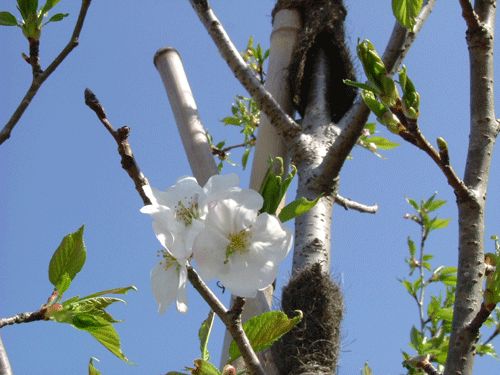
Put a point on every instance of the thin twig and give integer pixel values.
(284, 123)
(40, 77)
(352, 205)
(121, 137)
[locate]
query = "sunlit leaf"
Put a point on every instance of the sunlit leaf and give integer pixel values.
(382, 143)
(204, 335)
(68, 258)
(264, 329)
(406, 11)
(92, 369)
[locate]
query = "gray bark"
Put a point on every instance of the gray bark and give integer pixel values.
(484, 128)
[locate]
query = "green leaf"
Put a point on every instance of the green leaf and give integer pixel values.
(439, 223)
(264, 329)
(413, 203)
(204, 368)
(63, 283)
(360, 85)
(416, 339)
(296, 208)
(428, 257)
(231, 120)
(244, 158)
(450, 280)
(487, 349)
(409, 286)
(108, 337)
(92, 369)
(382, 143)
(435, 205)
(445, 313)
(411, 247)
(366, 370)
(8, 19)
(448, 270)
(68, 258)
(27, 7)
(86, 305)
(57, 17)
(88, 322)
(406, 11)
(49, 5)
(122, 290)
(204, 335)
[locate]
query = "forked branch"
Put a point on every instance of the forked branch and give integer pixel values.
(40, 76)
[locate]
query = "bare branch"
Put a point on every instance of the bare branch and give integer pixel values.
(352, 205)
(40, 77)
(24, 318)
(284, 123)
(121, 137)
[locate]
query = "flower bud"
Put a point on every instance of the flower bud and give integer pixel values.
(375, 106)
(411, 98)
(390, 120)
(377, 74)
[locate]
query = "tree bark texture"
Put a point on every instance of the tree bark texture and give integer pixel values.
(484, 128)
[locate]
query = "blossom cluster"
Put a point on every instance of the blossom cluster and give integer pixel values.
(220, 228)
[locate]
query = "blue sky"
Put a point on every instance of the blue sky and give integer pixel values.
(60, 169)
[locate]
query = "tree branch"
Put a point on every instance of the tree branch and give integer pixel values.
(230, 318)
(349, 204)
(121, 137)
(5, 368)
(470, 17)
(24, 318)
(284, 123)
(40, 76)
(471, 220)
(352, 124)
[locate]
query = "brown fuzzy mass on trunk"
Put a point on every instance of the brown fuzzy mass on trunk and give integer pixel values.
(313, 345)
(323, 28)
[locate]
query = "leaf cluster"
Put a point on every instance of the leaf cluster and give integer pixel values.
(433, 337)
(31, 22)
(86, 313)
(245, 111)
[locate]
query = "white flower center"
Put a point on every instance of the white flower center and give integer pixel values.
(168, 259)
(187, 212)
(238, 242)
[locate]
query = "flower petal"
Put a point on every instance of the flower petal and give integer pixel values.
(164, 285)
(182, 300)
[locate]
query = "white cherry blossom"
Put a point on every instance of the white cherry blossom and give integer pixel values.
(239, 247)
